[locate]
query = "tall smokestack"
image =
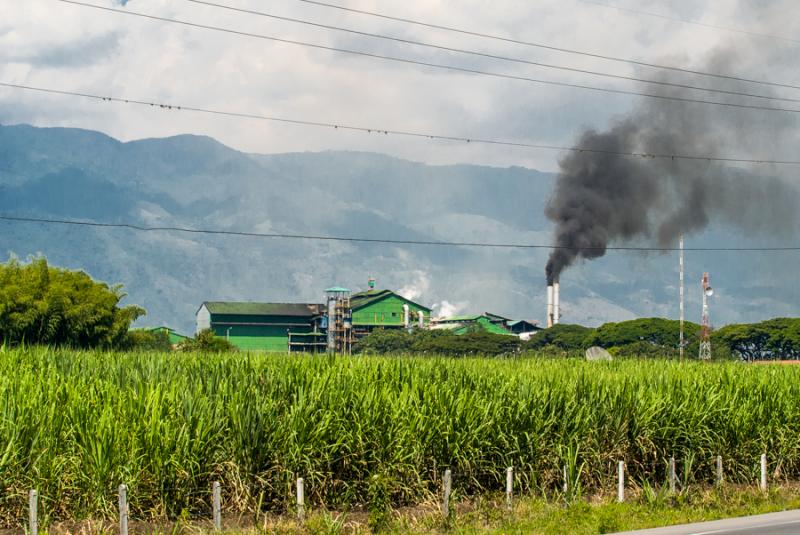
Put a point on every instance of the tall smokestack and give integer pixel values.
(549, 305)
(556, 304)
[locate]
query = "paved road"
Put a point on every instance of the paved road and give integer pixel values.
(786, 523)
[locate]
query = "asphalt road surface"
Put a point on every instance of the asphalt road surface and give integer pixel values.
(785, 523)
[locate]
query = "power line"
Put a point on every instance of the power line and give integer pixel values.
(140, 228)
(435, 65)
(544, 46)
(405, 133)
(488, 55)
(689, 21)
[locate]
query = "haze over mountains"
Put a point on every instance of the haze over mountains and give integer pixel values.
(191, 181)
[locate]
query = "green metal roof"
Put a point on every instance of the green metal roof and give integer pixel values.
(363, 299)
(337, 289)
(517, 322)
(263, 309)
(454, 319)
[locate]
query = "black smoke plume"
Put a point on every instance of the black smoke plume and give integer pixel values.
(601, 199)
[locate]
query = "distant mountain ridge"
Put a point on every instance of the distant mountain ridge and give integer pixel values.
(194, 181)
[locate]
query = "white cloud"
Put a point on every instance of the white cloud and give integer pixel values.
(47, 43)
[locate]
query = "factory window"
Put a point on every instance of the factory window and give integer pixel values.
(394, 314)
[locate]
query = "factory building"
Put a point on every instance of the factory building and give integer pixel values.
(311, 327)
(266, 326)
(467, 324)
(384, 309)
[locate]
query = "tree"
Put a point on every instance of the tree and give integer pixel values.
(775, 339)
(563, 336)
(40, 304)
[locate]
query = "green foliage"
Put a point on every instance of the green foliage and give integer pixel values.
(206, 342)
(562, 336)
(40, 304)
(775, 339)
(436, 342)
(146, 340)
(383, 341)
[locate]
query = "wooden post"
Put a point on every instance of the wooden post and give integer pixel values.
(123, 509)
(719, 470)
(510, 488)
(33, 512)
(763, 471)
(621, 482)
(672, 475)
(216, 493)
(447, 484)
(301, 499)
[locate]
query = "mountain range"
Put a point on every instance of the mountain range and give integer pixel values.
(195, 182)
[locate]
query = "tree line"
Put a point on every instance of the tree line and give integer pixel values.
(776, 339)
(42, 304)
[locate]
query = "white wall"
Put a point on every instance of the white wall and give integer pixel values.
(203, 319)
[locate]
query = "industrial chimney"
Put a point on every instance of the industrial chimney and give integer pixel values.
(556, 302)
(549, 305)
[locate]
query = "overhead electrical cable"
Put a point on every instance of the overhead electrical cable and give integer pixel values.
(405, 133)
(491, 56)
(689, 21)
(436, 65)
(545, 46)
(141, 228)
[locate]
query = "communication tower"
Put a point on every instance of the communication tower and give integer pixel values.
(705, 324)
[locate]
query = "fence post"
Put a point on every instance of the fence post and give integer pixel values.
(672, 475)
(33, 512)
(621, 481)
(510, 488)
(216, 493)
(763, 471)
(301, 499)
(123, 509)
(566, 480)
(719, 470)
(447, 484)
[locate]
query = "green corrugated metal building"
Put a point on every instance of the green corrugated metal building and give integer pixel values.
(465, 324)
(376, 309)
(265, 326)
(174, 337)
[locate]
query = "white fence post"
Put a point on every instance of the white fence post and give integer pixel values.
(123, 509)
(33, 512)
(301, 499)
(447, 487)
(510, 488)
(719, 471)
(672, 475)
(566, 480)
(216, 493)
(621, 481)
(763, 471)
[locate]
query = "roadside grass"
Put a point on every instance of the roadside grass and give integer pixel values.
(487, 515)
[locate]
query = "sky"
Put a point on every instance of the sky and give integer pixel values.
(53, 44)
(58, 45)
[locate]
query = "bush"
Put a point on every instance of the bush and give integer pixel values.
(144, 340)
(206, 342)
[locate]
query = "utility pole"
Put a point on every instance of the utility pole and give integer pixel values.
(681, 343)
